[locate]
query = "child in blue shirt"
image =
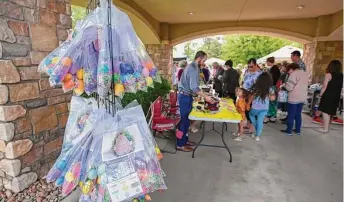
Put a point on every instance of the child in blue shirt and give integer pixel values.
(260, 103)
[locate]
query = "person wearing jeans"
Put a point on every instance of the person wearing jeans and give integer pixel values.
(187, 87)
(257, 119)
(296, 86)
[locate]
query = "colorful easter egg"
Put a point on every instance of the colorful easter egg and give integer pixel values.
(104, 68)
(69, 177)
(50, 71)
(145, 72)
(101, 169)
(79, 90)
(61, 165)
(67, 77)
(55, 60)
(147, 197)
(68, 85)
(80, 74)
(86, 188)
(66, 61)
(126, 68)
(135, 200)
(153, 72)
(124, 78)
(59, 181)
(149, 81)
(46, 62)
(116, 78)
(137, 75)
(92, 174)
(67, 188)
(149, 65)
(119, 89)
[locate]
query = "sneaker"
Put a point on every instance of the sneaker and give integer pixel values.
(272, 120)
(317, 120)
(337, 121)
(257, 138)
(285, 131)
(253, 135)
(239, 139)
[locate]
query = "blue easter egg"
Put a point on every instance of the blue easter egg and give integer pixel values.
(61, 165)
(137, 74)
(126, 68)
(101, 169)
(104, 68)
(153, 72)
(124, 78)
(92, 174)
(47, 62)
(50, 71)
(59, 181)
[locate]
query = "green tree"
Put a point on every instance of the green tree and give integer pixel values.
(212, 46)
(190, 49)
(78, 13)
(240, 48)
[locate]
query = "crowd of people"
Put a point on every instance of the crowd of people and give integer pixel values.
(258, 93)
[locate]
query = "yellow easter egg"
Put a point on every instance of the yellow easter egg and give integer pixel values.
(55, 60)
(69, 177)
(149, 81)
(81, 184)
(99, 180)
(86, 188)
(80, 74)
(119, 89)
(79, 90)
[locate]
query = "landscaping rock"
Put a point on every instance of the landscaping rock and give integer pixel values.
(18, 148)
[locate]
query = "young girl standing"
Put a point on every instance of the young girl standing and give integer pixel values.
(260, 103)
(240, 107)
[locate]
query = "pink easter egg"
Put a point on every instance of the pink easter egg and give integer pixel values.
(67, 188)
(145, 72)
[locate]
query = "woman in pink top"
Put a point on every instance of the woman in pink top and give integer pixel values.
(296, 86)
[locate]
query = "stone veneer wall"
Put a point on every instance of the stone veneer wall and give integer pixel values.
(318, 54)
(32, 114)
(161, 55)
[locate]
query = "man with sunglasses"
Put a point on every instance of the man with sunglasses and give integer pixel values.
(188, 86)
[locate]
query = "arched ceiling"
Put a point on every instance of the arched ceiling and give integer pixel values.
(158, 21)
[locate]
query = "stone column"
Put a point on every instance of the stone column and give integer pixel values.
(161, 55)
(32, 114)
(318, 54)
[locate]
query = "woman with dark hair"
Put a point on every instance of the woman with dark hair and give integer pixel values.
(260, 103)
(330, 93)
(296, 86)
(272, 113)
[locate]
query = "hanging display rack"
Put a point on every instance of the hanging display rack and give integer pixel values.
(109, 101)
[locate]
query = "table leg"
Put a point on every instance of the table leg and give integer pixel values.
(203, 134)
(223, 140)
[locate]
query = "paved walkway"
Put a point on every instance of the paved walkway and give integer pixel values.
(306, 168)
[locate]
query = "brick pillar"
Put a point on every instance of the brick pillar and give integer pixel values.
(318, 54)
(161, 55)
(32, 114)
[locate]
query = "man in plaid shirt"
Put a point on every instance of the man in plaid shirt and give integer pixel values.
(296, 58)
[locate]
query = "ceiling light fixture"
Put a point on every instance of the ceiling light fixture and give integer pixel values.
(191, 13)
(300, 7)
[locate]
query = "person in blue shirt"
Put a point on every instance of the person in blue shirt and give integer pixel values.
(188, 86)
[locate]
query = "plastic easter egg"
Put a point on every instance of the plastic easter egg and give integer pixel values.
(76, 168)
(67, 188)
(86, 188)
(104, 68)
(69, 177)
(68, 85)
(119, 89)
(92, 174)
(80, 74)
(126, 68)
(79, 90)
(124, 78)
(153, 72)
(101, 169)
(67, 77)
(46, 62)
(148, 198)
(149, 81)
(149, 65)
(66, 61)
(145, 72)
(81, 183)
(116, 78)
(61, 165)
(50, 71)
(55, 60)
(135, 200)
(137, 75)
(59, 181)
